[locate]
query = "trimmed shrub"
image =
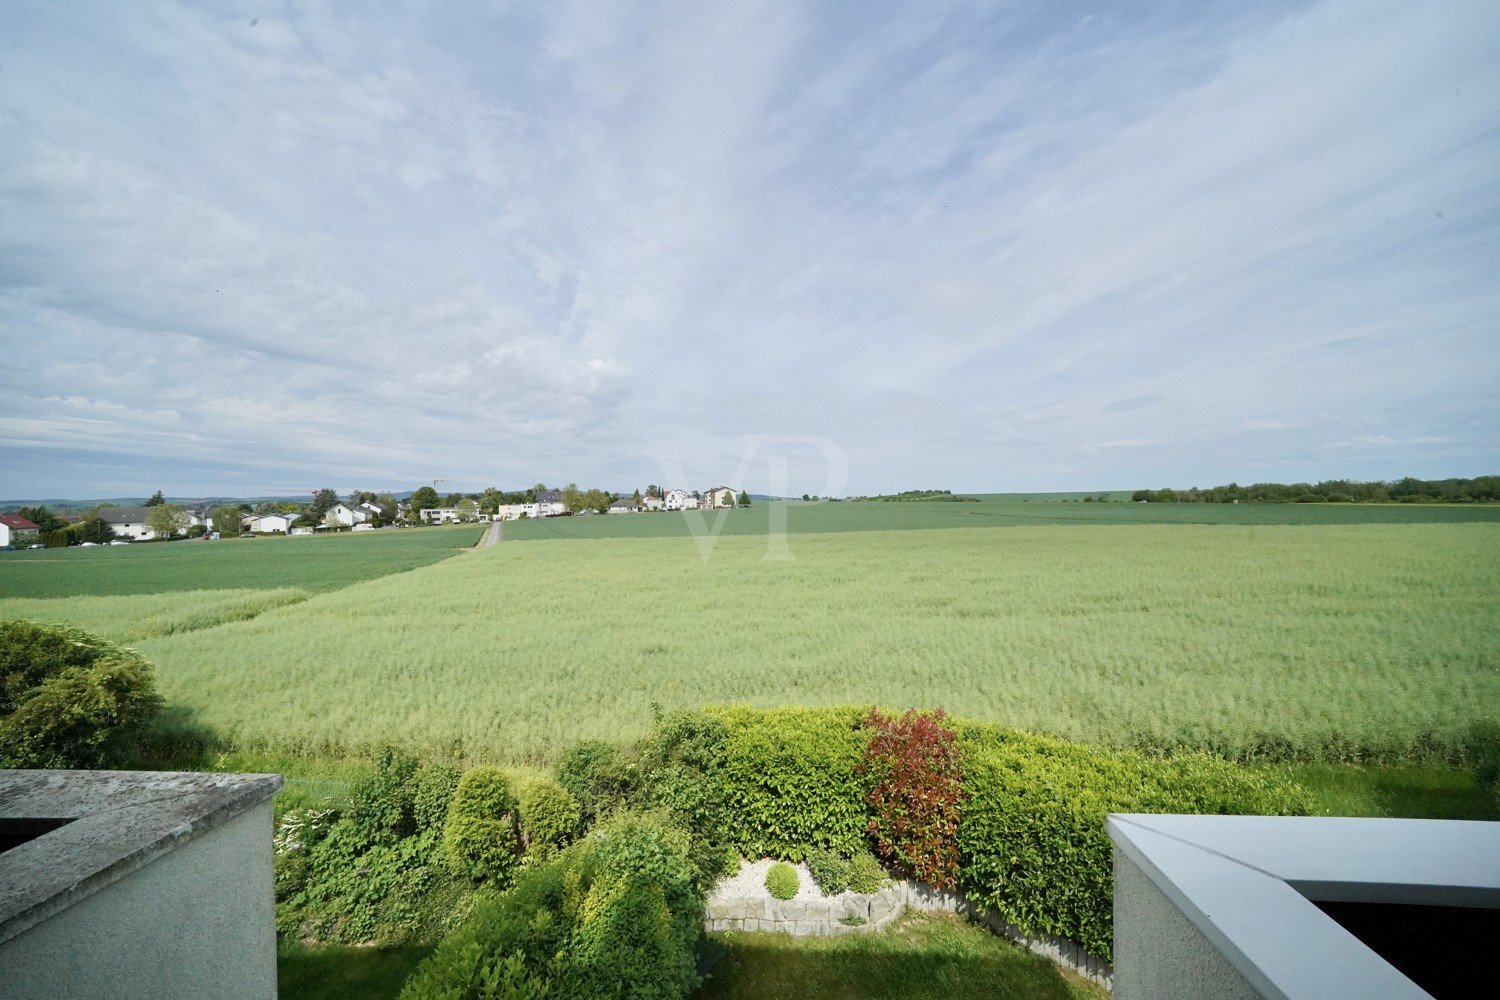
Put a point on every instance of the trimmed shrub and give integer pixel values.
(790, 780)
(480, 836)
(615, 915)
(549, 815)
(1033, 844)
(865, 873)
(681, 768)
(915, 765)
(782, 881)
(68, 698)
(830, 871)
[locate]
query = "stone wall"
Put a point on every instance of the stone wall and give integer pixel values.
(850, 912)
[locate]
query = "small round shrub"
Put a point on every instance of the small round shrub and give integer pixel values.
(549, 814)
(480, 837)
(782, 880)
(865, 873)
(829, 870)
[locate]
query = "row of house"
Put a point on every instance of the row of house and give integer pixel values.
(715, 497)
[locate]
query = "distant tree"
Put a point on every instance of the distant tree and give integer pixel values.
(93, 529)
(167, 519)
(226, 519)
(806, 497)
(571, 497)
(452, 499)
(468, 509)
(697, 495)
(424, 498)
(42, 518)
(156, 499)
(322, 500)
(636, 498)
(597, 500)
(744, 498)
(330, 519)
(490, 500)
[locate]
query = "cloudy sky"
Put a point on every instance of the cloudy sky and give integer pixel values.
(1014, 246)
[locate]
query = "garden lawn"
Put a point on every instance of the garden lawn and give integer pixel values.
(938, 956)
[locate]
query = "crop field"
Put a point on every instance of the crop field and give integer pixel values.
(822, 518)
(1310, 642)
(311, 563)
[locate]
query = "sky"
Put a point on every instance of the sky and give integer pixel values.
(824, 247)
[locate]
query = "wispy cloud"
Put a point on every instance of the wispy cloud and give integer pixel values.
(967, 245)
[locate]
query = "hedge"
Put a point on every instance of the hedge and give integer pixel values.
(481, 836)
(789, 776)
(1032, 835)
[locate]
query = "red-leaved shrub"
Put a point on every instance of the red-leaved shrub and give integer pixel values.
(915, 767)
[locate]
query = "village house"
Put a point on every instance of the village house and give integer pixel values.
(719, 496)
(128, 522)
(16, 530)
(624, 505)
(268, 524)
(349, 515)
(679, 500)
(549, 503)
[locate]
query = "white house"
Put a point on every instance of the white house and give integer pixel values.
(624, 505)
(514, 511)
(15, 530)
(348, 514)
(128, 522)
(651, 502)
(269, 523)
(549, 503)
(440, 515)
(676, 499)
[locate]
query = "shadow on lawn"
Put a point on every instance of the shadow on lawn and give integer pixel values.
(337, 972)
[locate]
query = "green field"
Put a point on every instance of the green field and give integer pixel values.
(306, 562)
(822, 518)
(1256, 639)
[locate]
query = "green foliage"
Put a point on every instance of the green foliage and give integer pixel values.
(481, 837)
(549, 815)
(782, 881)
(1484, 755)
(681, 766)
(915, 765)
(829, 870)
(616, 915)
(373, 871)
(68, 698)
(601, 778)
(789, 774)
(1033, 840)
(865, 873)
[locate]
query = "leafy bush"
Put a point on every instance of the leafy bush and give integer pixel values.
(549, 815)
(829, 870)
(782, 881)
(790, 780)
(600, 777)
(480, 837)
(1484, 754)
(915, 765)
(865, 873)
(681, 772)
(373, 871)
(615, 915)
(68, 698)
(1032, 838)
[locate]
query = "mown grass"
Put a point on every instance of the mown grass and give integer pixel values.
(312, 563)
(1411, 791)
(1313, 642)
(941, 956)
(341, 972)
(994, 511)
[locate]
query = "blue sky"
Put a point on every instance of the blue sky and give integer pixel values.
(1030, 246)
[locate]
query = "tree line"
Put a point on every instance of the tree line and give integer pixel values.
(1482, 489)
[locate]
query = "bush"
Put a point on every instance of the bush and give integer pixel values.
(1484, 754)
(681, 768)
(615, 915)
(600, 778)
(790, 781)
(865, 874)
(915, 765)
(68, 698)
(829, 870)
(549, 815)
(782, 881)
(1033, 844)
(480, 837)
(373, 871)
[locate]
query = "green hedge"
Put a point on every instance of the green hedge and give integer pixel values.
(481, 836)
(1032, 835)
(789, 776)
(615, 915)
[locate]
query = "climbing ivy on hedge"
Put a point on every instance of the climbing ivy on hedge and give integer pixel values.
(789, 775)
(1032, 838)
